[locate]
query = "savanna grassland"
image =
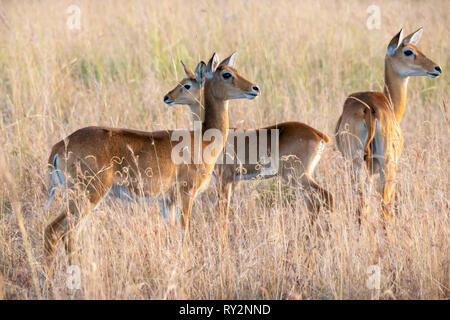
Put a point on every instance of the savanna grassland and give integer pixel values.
(307, 57)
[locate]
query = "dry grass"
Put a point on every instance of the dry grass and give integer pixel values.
(307, 57)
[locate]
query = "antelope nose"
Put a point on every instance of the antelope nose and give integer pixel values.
(255, 89)
(438, 69)
(166, 98)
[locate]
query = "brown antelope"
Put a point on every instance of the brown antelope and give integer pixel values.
(300, 148)
(368, 131)
(91, 159)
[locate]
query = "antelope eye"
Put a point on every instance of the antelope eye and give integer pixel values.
(187, 86)
(408, 52)
(227, 75)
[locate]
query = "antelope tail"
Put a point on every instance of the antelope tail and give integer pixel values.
(370, 124)
(55, 177)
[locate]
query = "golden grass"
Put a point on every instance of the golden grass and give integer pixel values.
(307, 56)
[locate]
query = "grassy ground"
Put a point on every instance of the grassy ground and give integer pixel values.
(307, 56)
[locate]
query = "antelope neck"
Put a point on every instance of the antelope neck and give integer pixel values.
(196, 108)
(395, 89)
(216, 113)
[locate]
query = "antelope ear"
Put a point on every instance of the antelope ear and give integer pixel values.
(414, 37)
(200, 74)
(395, 43)
(187, 72)
(230, 60)
(213, 63)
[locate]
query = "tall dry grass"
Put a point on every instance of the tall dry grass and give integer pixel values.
(307, 56)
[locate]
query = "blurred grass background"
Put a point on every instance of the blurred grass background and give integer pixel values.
(307, 56)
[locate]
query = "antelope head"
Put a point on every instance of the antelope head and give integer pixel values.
(226, 83)
(188, 90)
(407, 60)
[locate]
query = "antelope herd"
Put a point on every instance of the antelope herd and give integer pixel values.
(91, 160)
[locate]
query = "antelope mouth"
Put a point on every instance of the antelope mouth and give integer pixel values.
(433, 74)
(169, 103)
(250, 95)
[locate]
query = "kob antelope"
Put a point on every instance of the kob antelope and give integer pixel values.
(300, 148)
(368, 131)
(91, 159)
